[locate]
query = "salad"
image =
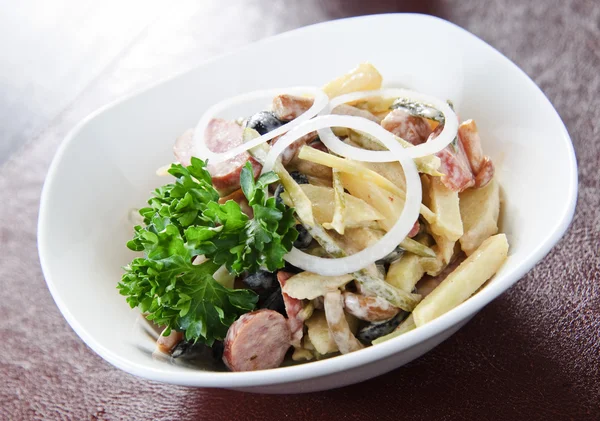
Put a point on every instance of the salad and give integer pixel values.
(337, 219)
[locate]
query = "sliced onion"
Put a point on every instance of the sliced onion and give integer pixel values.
(202, 151)
(408, 216)
(428, 148)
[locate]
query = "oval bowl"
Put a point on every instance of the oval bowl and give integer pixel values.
(106, 166)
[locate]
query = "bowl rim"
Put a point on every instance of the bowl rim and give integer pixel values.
(339, 363)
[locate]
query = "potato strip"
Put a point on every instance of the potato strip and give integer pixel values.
(348, 166)
(338, 326)
(308, 285)
(338, 221)
(464, 281)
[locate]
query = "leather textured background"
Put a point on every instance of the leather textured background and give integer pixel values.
(534, 353)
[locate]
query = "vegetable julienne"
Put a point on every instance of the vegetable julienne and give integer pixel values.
(409, 214)
(328, 223)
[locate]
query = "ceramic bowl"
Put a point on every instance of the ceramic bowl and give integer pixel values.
(106, 166)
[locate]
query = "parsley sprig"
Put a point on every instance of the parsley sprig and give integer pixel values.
(184, 220)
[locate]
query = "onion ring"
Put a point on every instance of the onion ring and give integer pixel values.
(410, 211)
(202, 151)
(428, 148)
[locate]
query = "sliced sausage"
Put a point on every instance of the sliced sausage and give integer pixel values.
(256, 341)
(371, 309)
(415, 229)
(166, 344)
(485, 174)
(220, 136)
(184, 147)
(289, 107)
(338, 325)
(410, 128)
(481, 165)
(293, 308)
(317, 144)
(292, 150)
(469, 137)
(457, 173)
(454, 164)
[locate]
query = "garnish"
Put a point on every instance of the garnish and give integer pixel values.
(184, 220)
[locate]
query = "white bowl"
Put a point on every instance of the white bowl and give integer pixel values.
(106, 166)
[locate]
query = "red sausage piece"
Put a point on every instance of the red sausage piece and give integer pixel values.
(220, 136)
(410, 128)
(256, 341)
(289, 107)
(454, 165)
(293, 307)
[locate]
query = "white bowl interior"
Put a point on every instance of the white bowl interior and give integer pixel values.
(107, 166)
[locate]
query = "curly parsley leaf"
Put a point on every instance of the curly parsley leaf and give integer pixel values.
(184, 220)
(184, 201)
(244, 244)
(180, 295)
(272, 231)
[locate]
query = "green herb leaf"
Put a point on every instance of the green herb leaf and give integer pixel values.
(266, 179)
(184, 201)
(247, 181)
(179, 295)
(184, 220)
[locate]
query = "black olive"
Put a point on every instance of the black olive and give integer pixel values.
(180, 349)
(260, 280)
(304, 238)
(275, 302)
(264, 294)
(375, 330)
(264, 122)
(277, 194)
(217, 350)
(189, 350)
(299, 177)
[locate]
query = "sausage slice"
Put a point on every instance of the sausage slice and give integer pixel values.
(454, 165)
(293, 308)
(371, 309)
(411, 128)
(289, 107)
(256, 341)
(481, 165)
(220, 136)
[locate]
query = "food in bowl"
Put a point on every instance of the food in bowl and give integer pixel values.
(338, 219)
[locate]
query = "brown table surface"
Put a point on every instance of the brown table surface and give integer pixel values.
(534, 353)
